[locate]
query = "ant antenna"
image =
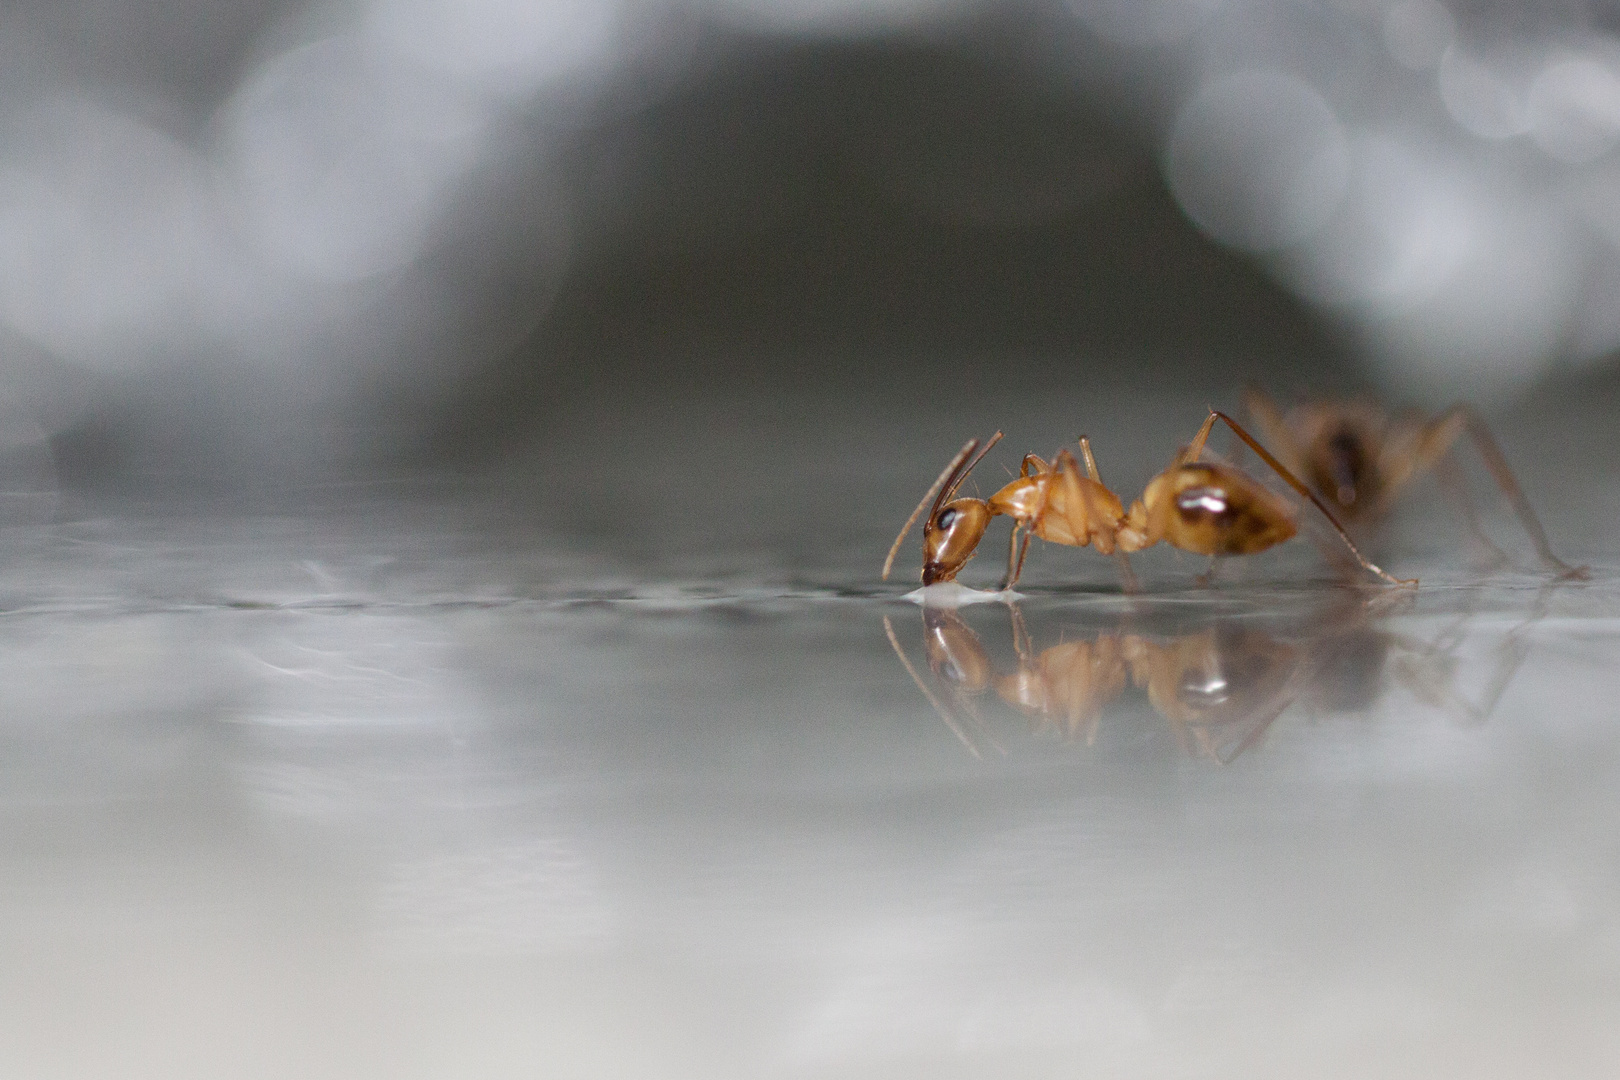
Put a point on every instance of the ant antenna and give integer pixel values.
(943, 488)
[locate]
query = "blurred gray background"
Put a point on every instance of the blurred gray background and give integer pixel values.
(657, 247)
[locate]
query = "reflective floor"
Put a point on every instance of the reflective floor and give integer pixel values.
(376, 794)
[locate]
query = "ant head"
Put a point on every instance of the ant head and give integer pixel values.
(953, 528)
(950, 537)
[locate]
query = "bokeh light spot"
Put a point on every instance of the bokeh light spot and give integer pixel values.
(1258, 160)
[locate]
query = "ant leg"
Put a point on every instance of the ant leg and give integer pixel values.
(1012, 558)
(1269, 419)
(1088, 519)
(1294, 482)
(1440, 433)
(1091, 462)
(1023, 553)
(1207, 578)
(1192, 450)
(1452, 481)
(1126, 574)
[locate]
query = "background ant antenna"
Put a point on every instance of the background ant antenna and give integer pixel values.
(943, 488)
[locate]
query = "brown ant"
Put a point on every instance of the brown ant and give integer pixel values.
(1360, 457)
(1200, 506)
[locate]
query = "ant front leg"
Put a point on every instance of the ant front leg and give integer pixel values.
(1015, 565)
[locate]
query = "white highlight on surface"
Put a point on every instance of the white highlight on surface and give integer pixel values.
(1258, 160)
(1418, 33)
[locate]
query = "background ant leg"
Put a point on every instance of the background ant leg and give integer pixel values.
(1450, 477)
(1444, 434)
(1207, 578)
(1269, 419)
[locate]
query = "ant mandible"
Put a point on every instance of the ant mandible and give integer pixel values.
(1360, 457)
(1201, 506)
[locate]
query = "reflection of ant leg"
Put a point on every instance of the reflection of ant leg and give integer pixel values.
(1436, 438)
(1431, 676)
(1023, 644)
(1207, 578)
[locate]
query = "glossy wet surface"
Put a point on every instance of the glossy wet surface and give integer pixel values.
(381, 794)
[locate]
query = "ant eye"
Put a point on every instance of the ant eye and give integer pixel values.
(946, 519)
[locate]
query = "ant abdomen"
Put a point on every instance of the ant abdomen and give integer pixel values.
(1214, 509)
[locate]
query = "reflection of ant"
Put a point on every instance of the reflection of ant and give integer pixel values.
(1205, 507)
(1352, 653)
(1220, 688)
(1360, 457)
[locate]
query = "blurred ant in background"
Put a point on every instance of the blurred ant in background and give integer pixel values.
(1360, 457)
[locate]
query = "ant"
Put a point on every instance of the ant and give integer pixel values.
(1201, 506)
(1360, 457)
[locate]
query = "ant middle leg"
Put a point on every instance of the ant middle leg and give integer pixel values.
(1014, 564)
